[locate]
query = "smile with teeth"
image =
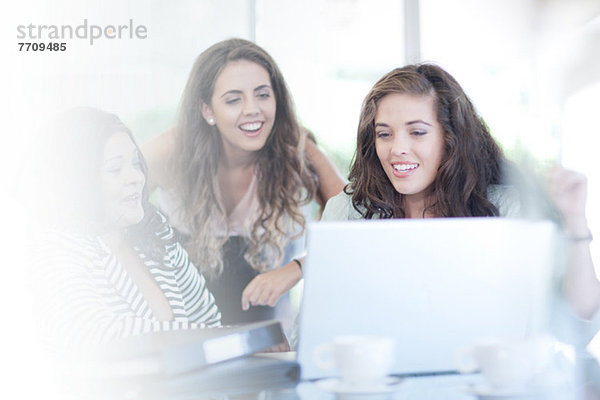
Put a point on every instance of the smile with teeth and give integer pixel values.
(132, 197)
(404, 167)
(251, 126)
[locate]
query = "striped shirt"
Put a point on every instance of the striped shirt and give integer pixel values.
(86, 297)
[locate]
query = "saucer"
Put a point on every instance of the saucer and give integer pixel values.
(485, 391)
(336, 385)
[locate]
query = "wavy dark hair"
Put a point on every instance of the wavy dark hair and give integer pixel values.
(286, 179)
(70, 166)
(472, 160)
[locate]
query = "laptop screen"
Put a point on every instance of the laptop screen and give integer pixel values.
(436, 285)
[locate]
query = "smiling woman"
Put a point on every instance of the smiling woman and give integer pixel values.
(423, 151)
(233, 176)
(106, 265)
(242, 108)
(122, 181)
(410, 146)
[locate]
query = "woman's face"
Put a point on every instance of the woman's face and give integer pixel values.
(243, 107)
(121, 182)
(409, 142)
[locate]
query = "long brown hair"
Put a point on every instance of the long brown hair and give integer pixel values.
(286, 180)
(472, 159)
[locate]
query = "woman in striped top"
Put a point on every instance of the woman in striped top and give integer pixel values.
(110, 267)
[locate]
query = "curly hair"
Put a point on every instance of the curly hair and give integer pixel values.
(471, 162)
(286, 179)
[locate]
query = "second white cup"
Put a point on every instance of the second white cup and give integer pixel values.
(361, 359)
(505, 365)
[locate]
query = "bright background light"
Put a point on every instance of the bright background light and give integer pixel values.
(531, 68)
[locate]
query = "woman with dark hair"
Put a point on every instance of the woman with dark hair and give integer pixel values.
(423, 151)
(240, 170)
(107, 264)
(456, 163)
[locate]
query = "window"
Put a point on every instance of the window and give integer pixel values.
(331, 53)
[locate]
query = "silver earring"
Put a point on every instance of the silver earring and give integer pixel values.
(211, 121)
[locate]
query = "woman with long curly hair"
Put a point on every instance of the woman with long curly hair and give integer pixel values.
(424, 152)
(240, 168)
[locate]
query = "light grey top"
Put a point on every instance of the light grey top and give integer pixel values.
(504, 197)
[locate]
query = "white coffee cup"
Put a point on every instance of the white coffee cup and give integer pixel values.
(361, 359)
(504, 364)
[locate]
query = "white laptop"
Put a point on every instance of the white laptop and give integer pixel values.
(435, 284)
